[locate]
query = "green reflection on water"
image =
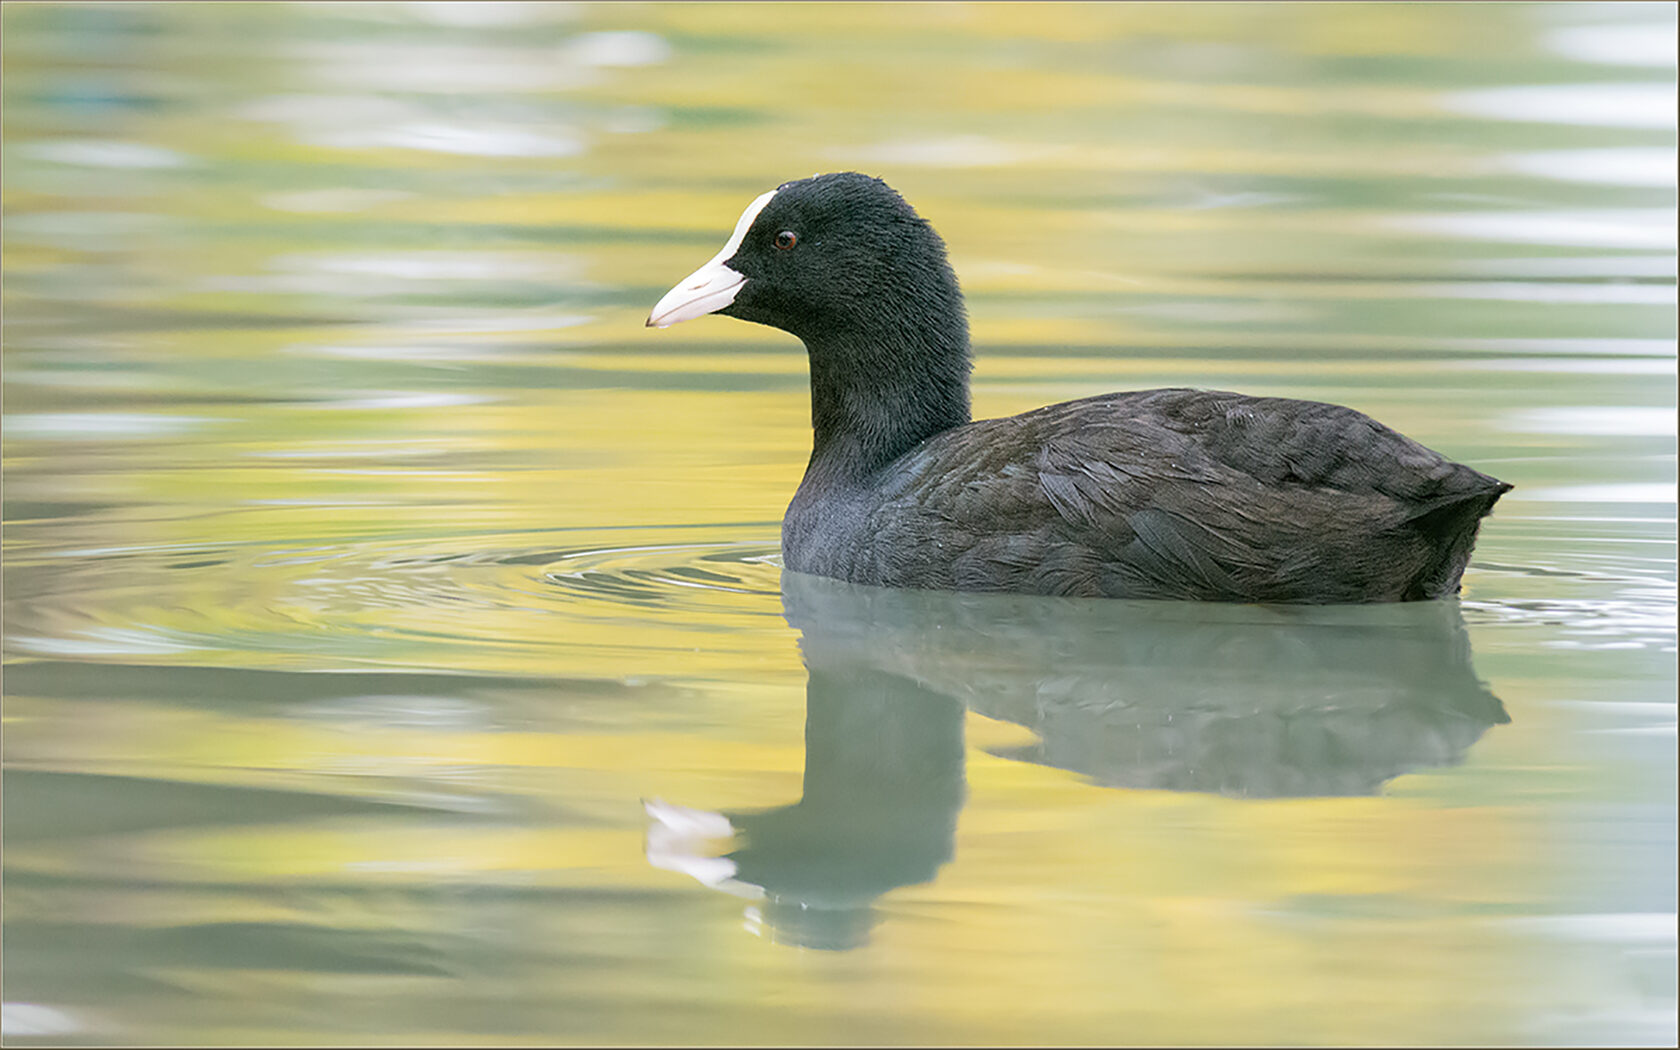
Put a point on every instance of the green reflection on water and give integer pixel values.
(367, 563)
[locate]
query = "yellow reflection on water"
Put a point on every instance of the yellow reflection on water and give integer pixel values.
(368, 563)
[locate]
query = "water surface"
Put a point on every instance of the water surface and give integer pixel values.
(396, 646)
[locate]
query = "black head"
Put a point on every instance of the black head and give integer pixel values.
(831, 254)
(842, 262)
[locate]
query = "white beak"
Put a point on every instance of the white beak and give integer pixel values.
(706, 290)
(713, 286)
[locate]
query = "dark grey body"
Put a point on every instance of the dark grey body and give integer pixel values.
(1155, 494)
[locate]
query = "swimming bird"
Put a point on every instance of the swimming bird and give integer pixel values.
(1177, 493)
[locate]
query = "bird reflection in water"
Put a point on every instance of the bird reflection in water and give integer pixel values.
(1245, 701)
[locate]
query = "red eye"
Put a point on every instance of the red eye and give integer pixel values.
(786, 239)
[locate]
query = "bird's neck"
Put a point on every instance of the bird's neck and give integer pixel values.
(878, 392)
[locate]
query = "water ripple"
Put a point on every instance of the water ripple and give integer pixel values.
(476, 599)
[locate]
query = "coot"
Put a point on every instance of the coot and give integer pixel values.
(1178, 493)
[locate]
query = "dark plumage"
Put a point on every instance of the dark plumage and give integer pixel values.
(1172, 493)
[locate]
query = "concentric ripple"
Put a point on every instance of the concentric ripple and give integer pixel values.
(697, 577)
(478, 601)
(613, 597)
